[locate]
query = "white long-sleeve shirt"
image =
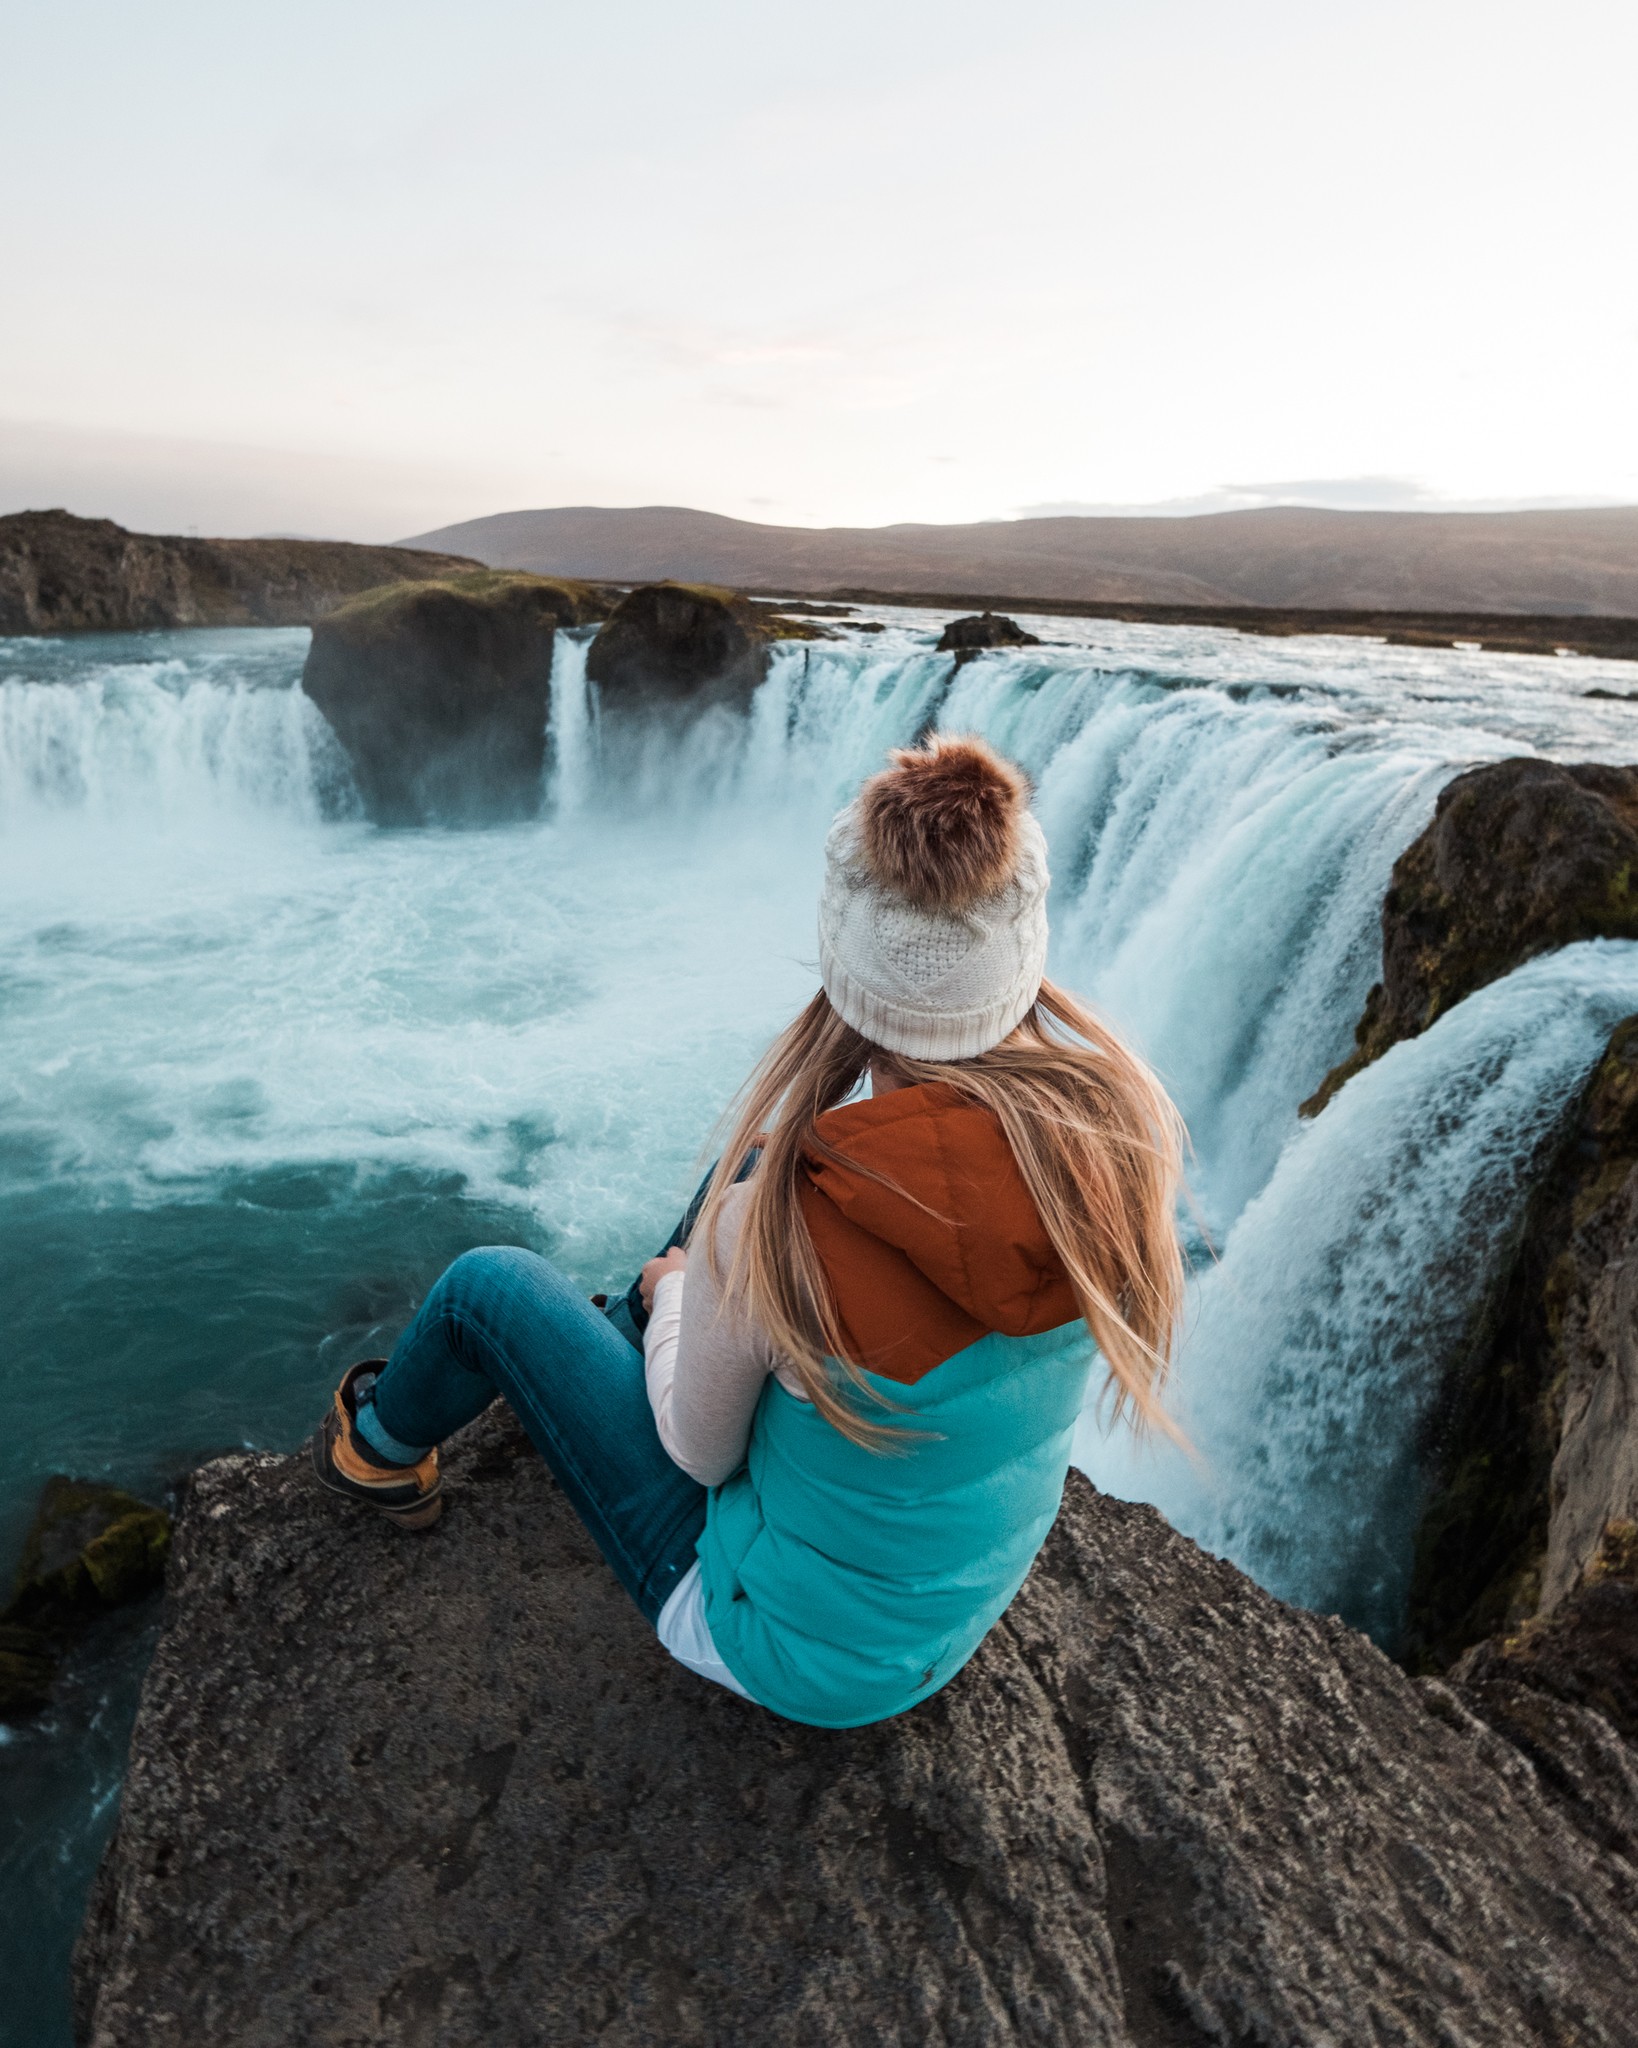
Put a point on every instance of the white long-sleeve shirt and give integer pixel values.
(705, 1363)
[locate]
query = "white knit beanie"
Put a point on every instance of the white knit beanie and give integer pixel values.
(932, 921)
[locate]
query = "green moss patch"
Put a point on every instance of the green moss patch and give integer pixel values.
(380, 610)
(89, 1546)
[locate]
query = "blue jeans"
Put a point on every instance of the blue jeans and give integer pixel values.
(504, 1321)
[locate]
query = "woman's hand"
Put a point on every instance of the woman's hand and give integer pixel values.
(673, 1261)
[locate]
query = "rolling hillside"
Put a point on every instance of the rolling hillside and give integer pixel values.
(1571, 563)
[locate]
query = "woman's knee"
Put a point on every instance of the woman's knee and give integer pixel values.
(486, 1276)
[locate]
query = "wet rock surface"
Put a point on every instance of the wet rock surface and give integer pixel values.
(439, 692)
(62, 574)
(966, 637)
(1522, 856)
(669, 644)
(89, 1548)
(449, 1789)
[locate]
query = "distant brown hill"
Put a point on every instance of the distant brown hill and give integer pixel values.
(1575, 563)
(61, 574)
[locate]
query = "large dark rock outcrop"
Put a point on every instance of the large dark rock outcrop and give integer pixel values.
(1522, 856)
(439, 692)
(449, 1790)
(90, 1547)
(966, 637)
(61, 574)
(682, 644)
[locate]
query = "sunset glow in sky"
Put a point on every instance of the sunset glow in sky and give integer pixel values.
(364, 269)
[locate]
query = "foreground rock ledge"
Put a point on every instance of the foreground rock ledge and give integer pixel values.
(449, 1790)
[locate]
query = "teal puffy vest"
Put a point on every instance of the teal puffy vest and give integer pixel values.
(842, 1585)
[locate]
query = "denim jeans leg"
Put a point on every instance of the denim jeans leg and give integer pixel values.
(504, 1321)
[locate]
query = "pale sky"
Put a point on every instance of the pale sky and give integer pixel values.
(363, 269)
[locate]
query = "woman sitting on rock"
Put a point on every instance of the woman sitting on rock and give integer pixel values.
(823, 1437)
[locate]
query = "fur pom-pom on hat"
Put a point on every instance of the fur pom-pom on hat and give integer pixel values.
(932, 925)
(940, 826)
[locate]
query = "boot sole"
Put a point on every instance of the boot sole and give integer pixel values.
(420, 1517)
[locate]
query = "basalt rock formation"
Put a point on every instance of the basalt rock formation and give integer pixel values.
(686, 644)
(90, 1547)
(1522, 856)
(439, 691)
(449, 1789)
(60, 574)
(966, 637)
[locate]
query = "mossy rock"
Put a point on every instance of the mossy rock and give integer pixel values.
(1522, 857)
(439, 691)
(777, 625)
(380, 612)
(89, 1546)
(688, 644)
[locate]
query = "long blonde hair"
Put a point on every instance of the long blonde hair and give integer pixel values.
(1097, 1141)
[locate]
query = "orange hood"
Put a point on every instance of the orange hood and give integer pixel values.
(952, 1249)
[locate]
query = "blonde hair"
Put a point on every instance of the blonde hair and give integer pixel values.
(1098, 1144)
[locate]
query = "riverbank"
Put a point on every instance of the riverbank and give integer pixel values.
(1611, 639)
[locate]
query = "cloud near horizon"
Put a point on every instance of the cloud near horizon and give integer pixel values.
(1331, 494)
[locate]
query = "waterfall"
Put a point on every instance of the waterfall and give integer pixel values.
(571, 731)
(160, 739)
(1218, 866)
(1315, 1348)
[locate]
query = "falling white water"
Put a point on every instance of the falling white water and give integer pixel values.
(1315, 1348)
(571, 733)
(152, 738)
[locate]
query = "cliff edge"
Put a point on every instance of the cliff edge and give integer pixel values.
(449, 1789)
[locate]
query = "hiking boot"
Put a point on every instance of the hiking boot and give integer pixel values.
(409, 1495)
